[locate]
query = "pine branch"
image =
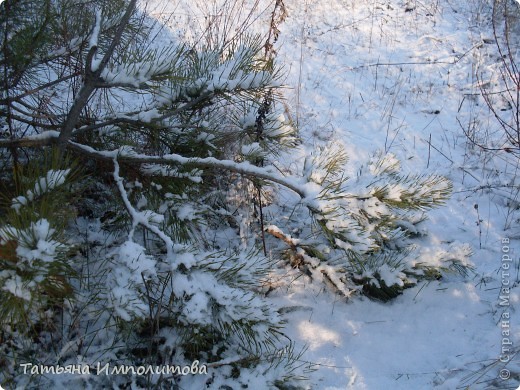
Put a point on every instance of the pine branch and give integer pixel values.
(138, 218)
(33, 123)
(244, 168)
(92, 77)
(50, 84)
(26, 142)
(125, 120)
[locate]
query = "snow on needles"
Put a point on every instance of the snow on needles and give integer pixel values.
(53, 179)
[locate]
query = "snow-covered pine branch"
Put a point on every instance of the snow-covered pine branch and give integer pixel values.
(163, 136)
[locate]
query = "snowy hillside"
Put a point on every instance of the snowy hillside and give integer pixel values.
(400, 77)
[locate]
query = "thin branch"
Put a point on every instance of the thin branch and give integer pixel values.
(476, 46)
(137, 217)
(35, 123)
(115, 121)
(18, 98)
(30, 142)
(93, 77)
(243, 168)
(37, 113)
(117, 37)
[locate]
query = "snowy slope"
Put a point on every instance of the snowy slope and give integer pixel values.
(399, 77)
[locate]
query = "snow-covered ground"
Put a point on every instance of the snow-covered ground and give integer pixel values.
(399, 77)
(402, 77)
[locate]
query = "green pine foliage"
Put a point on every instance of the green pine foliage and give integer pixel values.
(138, 258)
(34, 248)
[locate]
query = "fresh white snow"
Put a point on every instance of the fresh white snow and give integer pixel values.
(393, 84)
(370, 76)
(396, 79)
